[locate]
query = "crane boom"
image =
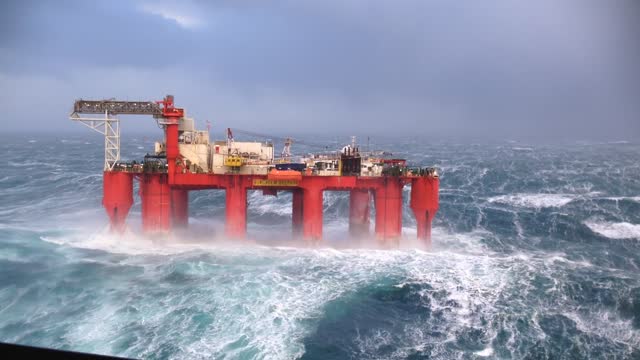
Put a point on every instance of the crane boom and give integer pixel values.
(115, 107)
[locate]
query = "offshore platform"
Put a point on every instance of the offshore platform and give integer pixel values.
(187, 160)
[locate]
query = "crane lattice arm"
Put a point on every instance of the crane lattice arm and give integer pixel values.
(115, 107)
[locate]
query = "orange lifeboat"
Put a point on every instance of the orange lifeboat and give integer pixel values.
(284, 175)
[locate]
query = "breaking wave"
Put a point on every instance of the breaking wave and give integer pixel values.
(533, 200)
(621, 230)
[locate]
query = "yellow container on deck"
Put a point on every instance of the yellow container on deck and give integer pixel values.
(233, 161)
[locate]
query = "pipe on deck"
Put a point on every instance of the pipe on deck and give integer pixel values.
(117, 198)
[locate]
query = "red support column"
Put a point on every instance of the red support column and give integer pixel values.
(236, 210)
(296, 212)
(359, 213)
(388, 199)
(312, 213)
(117, 197)
(173, 151)
(380, 200)
(423, 221)
(179, 208)
(156, 203)
(424, 203)
(172, 116)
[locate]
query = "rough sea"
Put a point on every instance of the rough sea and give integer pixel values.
(536, 255)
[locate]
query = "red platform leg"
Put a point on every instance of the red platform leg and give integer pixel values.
(236, 222)
(296, 213)
(179, 208)
(173, 151)
(312, 214)
(423, 221)
(424, 203)
(359, 213)
(117, 197)
(156, 203)
(388, 199)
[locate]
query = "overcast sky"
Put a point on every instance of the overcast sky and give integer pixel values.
(487, 68)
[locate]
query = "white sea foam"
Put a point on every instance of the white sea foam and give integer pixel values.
(533, 200)
(485, 352)
(468, 282)
(621, 198)
(621, 230)
(132, 243)
(257, 291)
(607, 325)
(253, 302)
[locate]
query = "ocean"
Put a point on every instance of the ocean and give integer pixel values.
(536, 255)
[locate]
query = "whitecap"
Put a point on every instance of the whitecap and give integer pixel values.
(621, 230)
(533, 200)
(486, 352)
(621, 198)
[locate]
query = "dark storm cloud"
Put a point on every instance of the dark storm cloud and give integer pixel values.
(499, 68)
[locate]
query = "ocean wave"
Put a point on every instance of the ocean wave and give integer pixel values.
(245, 294)
(256, 292)
(32, 164)
(262, 204)
(497, 281)
(607, 325)
(622, 198)
(533, 200)
(613, 230)
(488, 351)
(200, 238)
(133, 243)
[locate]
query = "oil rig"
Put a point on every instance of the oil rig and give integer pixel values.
(187, 161)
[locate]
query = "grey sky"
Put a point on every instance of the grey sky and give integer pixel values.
(487, 68)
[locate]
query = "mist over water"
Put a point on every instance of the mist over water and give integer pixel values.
(536, 254)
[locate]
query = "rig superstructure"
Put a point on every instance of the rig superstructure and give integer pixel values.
(186, 161)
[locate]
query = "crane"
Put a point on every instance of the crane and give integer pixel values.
(109, 125)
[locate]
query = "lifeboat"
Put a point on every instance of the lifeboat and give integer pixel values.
(276, 174)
